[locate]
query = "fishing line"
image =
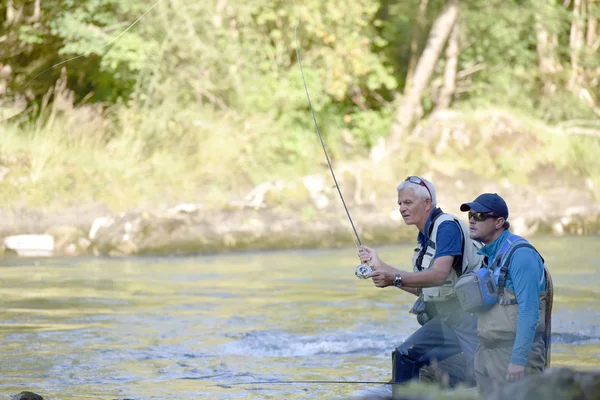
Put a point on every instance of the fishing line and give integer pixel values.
(321, 137)
(306, 382)
(104, 46)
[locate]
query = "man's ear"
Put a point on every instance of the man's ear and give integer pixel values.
(428, 205)
(500, 223)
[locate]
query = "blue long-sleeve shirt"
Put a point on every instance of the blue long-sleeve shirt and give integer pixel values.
(525, 277)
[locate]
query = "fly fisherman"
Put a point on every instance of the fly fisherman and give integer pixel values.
(512, 323)
(444, 252)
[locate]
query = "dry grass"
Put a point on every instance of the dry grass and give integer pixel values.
(127, 157)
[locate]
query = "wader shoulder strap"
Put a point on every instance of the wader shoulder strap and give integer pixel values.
(458, 260)
(508, 242)
(499, 255)
(430, 243)
(504, 269)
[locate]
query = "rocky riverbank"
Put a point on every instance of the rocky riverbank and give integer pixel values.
(551, 189)
(269, 217)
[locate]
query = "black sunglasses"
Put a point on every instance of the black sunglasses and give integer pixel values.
(482, 216)
(418, 181)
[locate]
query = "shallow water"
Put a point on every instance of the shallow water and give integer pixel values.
(206, 326)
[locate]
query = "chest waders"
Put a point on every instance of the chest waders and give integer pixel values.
(497, 306)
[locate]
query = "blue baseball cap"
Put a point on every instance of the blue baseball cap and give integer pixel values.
(488, 202)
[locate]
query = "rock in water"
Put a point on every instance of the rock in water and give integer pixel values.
(28, 396)
(448, 373)
(30, 245)
(553, 384)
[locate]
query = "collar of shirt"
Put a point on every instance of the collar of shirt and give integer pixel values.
(491, 249)
(423, 238)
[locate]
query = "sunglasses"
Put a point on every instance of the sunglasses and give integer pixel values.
(418, 181)
(481, 216)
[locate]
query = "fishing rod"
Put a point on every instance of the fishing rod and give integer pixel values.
(363, 270)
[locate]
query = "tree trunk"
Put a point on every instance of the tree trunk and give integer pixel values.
(35, 16)
(438, 35)
(10, 12)
(452, 52)
(415, 43)
(218, 18)
(592, 25)
(576, 44)
(546, 45)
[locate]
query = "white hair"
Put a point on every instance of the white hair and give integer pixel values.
(420, 190)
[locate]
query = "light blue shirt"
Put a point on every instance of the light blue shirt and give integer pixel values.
(525, 277)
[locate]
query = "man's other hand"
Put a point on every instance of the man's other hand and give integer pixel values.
(383, 278)
(514, 372)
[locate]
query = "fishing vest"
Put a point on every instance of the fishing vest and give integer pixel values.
(469, 260)
(499, 323)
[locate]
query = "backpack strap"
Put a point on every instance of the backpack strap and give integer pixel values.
(458, 261)
(504, 270)
(491, 265)
(485, 263)
(503, 249)
(436, 213)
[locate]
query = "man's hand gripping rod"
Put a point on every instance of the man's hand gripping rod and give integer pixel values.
(363, 270)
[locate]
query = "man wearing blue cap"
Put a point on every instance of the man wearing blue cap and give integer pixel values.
(511, 332)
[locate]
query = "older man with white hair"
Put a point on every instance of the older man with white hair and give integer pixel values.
(444, 252)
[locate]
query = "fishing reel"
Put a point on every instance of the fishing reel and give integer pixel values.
(363, 271)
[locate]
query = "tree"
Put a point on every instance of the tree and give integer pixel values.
(547, 28)
(450, 69)
(415, 40)
(440, 31)
(576, 43)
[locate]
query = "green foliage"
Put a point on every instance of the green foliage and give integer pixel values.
(198, 93)
(582, 155)
(368, 126)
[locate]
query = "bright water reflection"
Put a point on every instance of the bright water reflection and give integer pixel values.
(164, 328)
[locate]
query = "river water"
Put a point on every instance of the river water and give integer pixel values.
(206, 326)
